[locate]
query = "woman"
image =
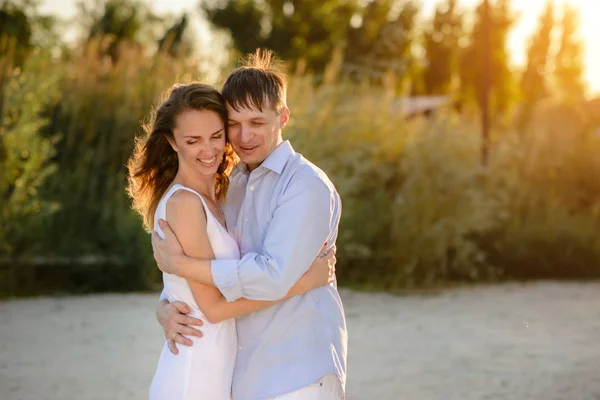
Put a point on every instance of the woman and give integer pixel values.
(179, 173)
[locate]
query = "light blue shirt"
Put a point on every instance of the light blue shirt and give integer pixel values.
(281, 214)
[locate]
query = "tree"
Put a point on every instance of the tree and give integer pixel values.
(442, 48)
(173, 41)
(307, 29)
(358, 55)
(569, 62)
(534, 83)
(113, 22)
(383, 43)
(22, 25)
(119, 19)
(15, 33)
(472, 60)
(24, 154)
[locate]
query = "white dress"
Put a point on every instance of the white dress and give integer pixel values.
(203, 371)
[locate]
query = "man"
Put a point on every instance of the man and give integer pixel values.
(281, 209)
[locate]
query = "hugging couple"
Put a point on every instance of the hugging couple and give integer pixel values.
(244, 232)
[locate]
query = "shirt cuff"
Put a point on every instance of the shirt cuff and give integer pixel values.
(225, 277)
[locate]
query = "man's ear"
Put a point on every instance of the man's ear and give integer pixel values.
(285, 117)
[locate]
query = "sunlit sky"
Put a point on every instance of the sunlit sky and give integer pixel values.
(529, 11)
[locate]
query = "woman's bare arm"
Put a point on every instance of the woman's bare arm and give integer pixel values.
(188, 220)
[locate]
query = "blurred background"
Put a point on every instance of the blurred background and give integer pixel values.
(462, 135)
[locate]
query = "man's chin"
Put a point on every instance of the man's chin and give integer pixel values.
(251, 160)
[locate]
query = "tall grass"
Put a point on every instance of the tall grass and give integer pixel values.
(418, 207)
(25, 157)
(553, 229)
(98, 111)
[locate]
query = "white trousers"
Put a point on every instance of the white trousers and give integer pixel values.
(326, 388)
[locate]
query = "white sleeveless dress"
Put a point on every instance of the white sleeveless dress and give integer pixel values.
(203, 371)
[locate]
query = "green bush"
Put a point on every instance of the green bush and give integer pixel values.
(414, 194)
(25, 156)
(418, 206)
(420, 209)
(553, 224)
(101, 109)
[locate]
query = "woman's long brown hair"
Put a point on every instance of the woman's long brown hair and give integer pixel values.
(153, 164)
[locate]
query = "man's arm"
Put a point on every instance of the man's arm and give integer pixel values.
(219, 309)
(298, 229)
(176, 324)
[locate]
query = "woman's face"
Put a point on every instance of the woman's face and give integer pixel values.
(199, 141)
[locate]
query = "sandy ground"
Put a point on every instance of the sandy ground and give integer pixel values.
(534, 341)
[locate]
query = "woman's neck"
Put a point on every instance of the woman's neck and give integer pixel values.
(204, 184)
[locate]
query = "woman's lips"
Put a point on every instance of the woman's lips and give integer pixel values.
(207, 162)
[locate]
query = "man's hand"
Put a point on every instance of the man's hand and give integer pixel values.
(165, 251)
(322, 270)
(172, 317)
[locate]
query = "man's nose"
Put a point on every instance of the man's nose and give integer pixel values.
(246, 134)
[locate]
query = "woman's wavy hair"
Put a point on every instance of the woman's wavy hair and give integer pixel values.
(153, 164)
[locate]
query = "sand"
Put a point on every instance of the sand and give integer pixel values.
(514, 341)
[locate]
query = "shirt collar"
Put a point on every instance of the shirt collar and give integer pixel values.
(276, 160)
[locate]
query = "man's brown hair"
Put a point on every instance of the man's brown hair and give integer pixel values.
(258, 84)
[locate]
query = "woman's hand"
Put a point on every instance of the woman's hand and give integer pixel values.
(322, 270)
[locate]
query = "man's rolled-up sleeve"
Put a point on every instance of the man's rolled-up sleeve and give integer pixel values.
(163, 296)
(299, 227)
(225, 277)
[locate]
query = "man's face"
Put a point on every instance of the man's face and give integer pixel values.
(254, 134)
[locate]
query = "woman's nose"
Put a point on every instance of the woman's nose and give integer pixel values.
(208, 149)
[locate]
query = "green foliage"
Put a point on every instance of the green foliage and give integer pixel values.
(443, 206)
(534, 82)
(569, 59)
(15, 34)
(99, 114)
(24, 155)
(554, 208)
(111, 23)
(120, 19)
(241, 18)
(173, 41)
(501, 21)
(414, 197)
(442, 48)
(352, 135)
(383, 44)
(308, 30)
(418, 208)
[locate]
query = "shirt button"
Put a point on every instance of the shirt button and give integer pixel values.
(240, 347)
(251, 187)
(245, 219)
